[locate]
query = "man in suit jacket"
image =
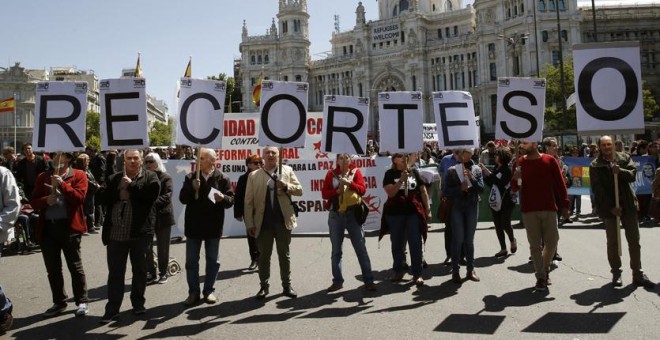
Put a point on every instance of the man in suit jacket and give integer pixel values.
(269, 214)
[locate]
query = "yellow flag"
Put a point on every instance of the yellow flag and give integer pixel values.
(256, 92)
(188, 72)
(138, 69)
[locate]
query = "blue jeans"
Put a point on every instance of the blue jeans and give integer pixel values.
(211, 248)
(464, 224)
(5, 304)
(401, 226)
(338, 222)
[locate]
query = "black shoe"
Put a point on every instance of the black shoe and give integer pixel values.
(557, 257)
(643, 281)
(55, 310)
(289, 292)
(424, 264)
(456, 278)
(262, 293)
(5, 323)
(462, 262)
(616, 280)
(253, 265)
(447, 261)
(108, 317)
(139, 310)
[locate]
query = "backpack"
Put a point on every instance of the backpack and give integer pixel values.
(495, 197)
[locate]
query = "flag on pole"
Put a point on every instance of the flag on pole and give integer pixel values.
(188, 72)
(138, 69)
(256, 92)
(7, 105)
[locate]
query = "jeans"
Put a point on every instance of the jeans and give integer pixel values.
(211, 248)
(282, 237)
(338, 222)
(543, 236)
(464, 225)
(118, 253)
(57, 240)
(5, 304)
(401, 226)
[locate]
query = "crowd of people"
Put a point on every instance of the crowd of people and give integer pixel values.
(59, 198)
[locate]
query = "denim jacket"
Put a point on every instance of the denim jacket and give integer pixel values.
(451, 186)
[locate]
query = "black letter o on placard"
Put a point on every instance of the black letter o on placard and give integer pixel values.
(587, 98)
(266, 112)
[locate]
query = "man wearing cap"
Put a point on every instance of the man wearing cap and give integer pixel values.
(59, 200)
(540, 182)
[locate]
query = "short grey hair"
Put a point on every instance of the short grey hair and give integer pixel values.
(209, 152)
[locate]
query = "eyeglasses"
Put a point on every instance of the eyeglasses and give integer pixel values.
(149, 161)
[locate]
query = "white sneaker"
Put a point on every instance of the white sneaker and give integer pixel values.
(82, 310)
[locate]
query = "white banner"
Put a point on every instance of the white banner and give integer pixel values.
(309, 163)
(59, 118)
(401, 118)
(123, 113)
(454, 116)
(520, 108)
(200, 118)
(283, 113)
(608, 82)
(345, 125)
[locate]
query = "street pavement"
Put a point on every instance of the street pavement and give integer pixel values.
(580, 304)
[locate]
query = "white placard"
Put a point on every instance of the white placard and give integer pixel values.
(123, 113)
(401, 118)
(520, 108)
(201, 113)
(345, 124)
(59, 118)
(608, 83)
(430, 133)
(454, 116)
(283, 113)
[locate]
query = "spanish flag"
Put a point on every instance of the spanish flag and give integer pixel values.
(256, 92)
(138, 69)
(7, 105)
(188, 72)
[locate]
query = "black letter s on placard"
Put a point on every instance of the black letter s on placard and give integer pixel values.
(533, 123)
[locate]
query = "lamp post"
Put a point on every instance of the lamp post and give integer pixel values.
(513, 42)
(561, 68)
(593, 17)
(536, 40)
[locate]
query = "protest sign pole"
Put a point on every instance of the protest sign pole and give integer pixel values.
(618, 217)
(197, 168)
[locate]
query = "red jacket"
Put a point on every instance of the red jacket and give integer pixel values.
(73, 189)
(329, 191)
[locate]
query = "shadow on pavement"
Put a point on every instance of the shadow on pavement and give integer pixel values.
(310, 301)
(69, 327)
(226, 308)
(525, 268)
(470, 324)
(521, 298)
(268, 318)
(604, 296)
(189, 330)
(575, 323)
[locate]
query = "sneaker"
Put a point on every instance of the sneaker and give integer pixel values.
(108, 318)
(210, 298)
(616, 279)
(540, 285)
(82, 310)
(643, 281)
(335, 287)
(139, 310)
(370, 287)
(191, 300)
(92, 231)
(162, 279)
(54, 310)
(418, 281)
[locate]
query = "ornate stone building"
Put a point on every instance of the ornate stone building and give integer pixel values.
(432, 45)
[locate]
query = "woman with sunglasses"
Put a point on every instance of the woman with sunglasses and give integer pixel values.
(254, 162)
(164, 220)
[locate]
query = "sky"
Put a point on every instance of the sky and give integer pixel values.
(106, 36)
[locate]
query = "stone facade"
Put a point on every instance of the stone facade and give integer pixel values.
(434, 45)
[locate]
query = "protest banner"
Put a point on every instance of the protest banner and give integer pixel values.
(59, 116)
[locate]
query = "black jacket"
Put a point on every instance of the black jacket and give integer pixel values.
(163, 205)
(239, 196)
(204, 219)
(144, 192)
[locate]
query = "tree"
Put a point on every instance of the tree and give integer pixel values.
(554, 119)
(233, 92)
(161, 134)
(650, 105)
(93, 129)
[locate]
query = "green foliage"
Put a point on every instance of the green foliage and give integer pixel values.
(161, 134)
(233, 92)
(650, 105)
(555, 120)
(93, 133)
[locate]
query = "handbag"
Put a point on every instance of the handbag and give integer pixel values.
(361, 212)
(654, 210)
(443, 210)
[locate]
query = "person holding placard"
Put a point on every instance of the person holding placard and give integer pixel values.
(463, 185)
(270, 215)
(254, 162)
(501, 178)
(606, 170)
(59, 200)
(404, 216)
(539, 180)
(445, 163)
(343, 189)
(206, 197)
(128, 198)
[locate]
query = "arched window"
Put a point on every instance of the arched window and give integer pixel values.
(522, 8)
(253, 60)
(433, 7)
(259, 59)
(449, 6)
(541, 5)
(395, 12)
(266, 60)
(403, 5)
(544, 36)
